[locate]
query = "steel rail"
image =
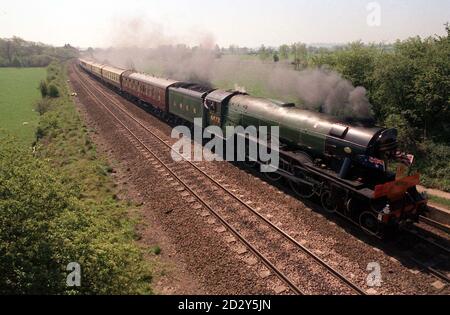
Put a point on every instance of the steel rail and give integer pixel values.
(435, 224)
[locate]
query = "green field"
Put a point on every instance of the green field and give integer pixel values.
(18, 94)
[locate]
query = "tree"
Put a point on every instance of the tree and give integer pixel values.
(414, 81)
(284, 51)
(300, 55)
(276, 58)
(8, 50)
(263, 52)
(16, 62)
(406, 134)
(43, 88)
(3, 62)
(217, 51)
(17, 52)
(90, 52)
(53, 91)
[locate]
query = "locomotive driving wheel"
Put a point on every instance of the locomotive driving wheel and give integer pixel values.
(369, 223)
(329, 202)
(302, 188)
(272, 176)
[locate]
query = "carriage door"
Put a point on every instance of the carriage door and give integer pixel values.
(214, 113)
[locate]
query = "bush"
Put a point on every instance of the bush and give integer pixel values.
(44, 226)
(43, 106)
(53, 91)
(43, 88)
(433, 163)
(16, 62)
(406, 138)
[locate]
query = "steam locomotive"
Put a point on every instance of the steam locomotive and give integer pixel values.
(345, 167)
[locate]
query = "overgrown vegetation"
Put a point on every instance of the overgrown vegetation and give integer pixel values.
(16, 52)
(58, 206)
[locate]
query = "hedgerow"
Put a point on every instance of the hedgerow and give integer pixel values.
(58, 206)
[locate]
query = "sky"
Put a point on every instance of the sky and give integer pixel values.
(250, 23)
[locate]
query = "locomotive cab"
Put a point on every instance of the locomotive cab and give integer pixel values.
(215, 103)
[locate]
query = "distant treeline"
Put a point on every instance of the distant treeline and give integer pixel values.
(16, 52)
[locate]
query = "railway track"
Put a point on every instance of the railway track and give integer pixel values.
(288, 259)
(442, 227)
(430, 264)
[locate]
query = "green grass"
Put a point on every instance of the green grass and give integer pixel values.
(18, 93)
(440, 201)
(155, 250)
